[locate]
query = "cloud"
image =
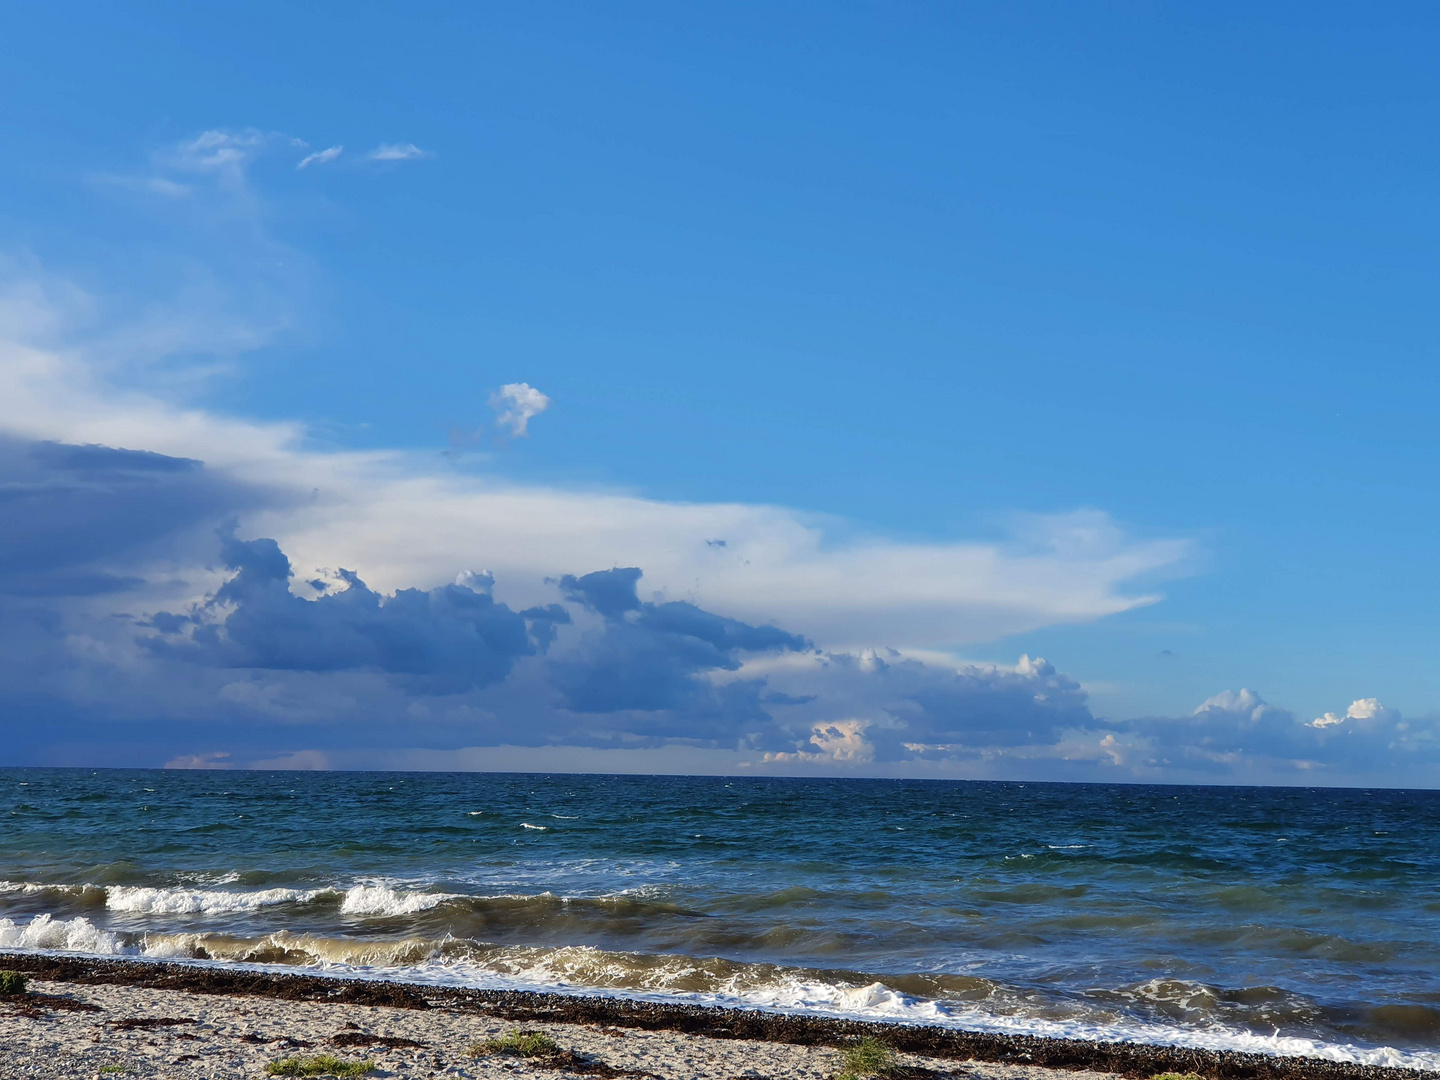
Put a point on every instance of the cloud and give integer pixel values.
(218, 150)
(595, 666)
(798, 641)
(84, 520)
(149, 185)
(1360, 709)
(905, 709)
(299, 761)
(320, 157)
(215, 759)
(445, 640)
(839, 742)
(656, 658)
(515, 405)
(397, 152)
(411, 524)
(611, 593)
(1238, 735)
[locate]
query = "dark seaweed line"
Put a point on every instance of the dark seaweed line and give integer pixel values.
(1127, 1059)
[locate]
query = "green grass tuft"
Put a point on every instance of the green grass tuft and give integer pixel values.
(1177, 1076)
(519, 1044)
(112, 1068)
(319, 1065)
(12, 984)
(868, 1057)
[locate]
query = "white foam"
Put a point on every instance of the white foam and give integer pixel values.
(584, 969)
(67, 935)
(28, 888)
(383, 900)
(538, 828)
(151, 901)
(878, 1002)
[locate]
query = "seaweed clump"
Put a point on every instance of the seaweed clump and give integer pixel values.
(518, 1044)
(867, 1058)
(319, 1065)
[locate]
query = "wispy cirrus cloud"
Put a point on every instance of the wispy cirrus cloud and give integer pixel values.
(397, 152)
(148, 185)
(320, 157)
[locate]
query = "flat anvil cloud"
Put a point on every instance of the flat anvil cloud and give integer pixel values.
(413, 522)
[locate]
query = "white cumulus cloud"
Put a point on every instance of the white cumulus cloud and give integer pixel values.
(1360, 709)
(515, 405)
(1243, 702)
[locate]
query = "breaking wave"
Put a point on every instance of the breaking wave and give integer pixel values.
(62, 935)
(953, 1001)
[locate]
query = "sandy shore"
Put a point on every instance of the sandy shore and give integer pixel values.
(93, 1018)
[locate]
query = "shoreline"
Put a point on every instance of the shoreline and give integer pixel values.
(1137, 1060)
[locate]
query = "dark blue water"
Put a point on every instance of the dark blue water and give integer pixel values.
(1284, 919)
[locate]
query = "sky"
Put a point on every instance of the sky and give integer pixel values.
(1026, 391)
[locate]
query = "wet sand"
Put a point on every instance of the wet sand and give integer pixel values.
(90, 1018)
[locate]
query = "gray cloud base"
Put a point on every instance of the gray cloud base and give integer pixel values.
(444, 641)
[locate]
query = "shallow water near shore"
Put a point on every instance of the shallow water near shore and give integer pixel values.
(1291, 920)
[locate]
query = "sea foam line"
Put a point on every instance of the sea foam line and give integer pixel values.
(789, 995)
(369, 899)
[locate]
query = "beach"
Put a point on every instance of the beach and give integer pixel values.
(1289, 923)
(87, 1018)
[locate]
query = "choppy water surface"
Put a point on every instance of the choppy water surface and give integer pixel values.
(1267, 919)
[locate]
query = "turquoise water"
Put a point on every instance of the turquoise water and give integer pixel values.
(1271, 919)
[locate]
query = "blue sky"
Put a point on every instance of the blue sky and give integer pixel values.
(1134, 300)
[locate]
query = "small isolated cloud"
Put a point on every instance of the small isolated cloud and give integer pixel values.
(397, 152)
(218, 150)
(515, 405)
(320, 157)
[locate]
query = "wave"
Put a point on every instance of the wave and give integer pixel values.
(383, 900)
(971, 1003)
(145, 900)
(368, 900)
(84, 894)
(65, 935)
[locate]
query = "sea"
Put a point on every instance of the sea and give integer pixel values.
(1277, 920)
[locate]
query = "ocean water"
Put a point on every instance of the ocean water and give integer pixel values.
(1279, 920)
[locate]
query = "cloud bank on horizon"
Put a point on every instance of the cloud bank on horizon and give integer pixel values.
(140, 627)
(182, 585)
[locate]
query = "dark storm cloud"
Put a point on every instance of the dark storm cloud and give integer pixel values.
(254, 668)
(72, 518)
(1032, 706)
(648, 657)
(639, 678)
(903, 710)
(445, 640)
(608, 592)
